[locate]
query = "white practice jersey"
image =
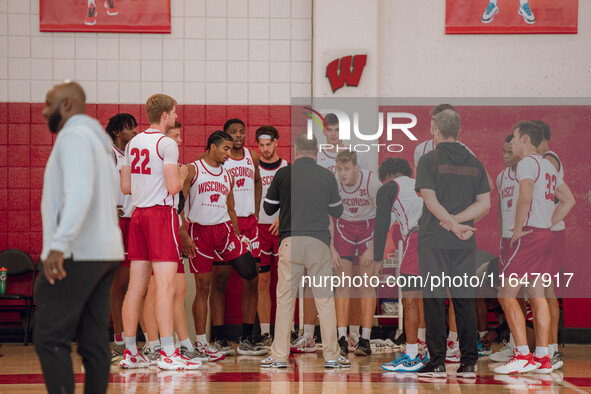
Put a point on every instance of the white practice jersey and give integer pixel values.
(560, 225)
(359, 201)
(426, 147)
(243, 171)
(146, 154)
(123, 200)
(208, 195)
(508, 193)
(546, 180)
(408, 206)
(266, 178)
(327, 160)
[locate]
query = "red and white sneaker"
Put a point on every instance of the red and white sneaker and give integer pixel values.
(520, 363)
(176, 361)
(213, 353)
(304, 345)
(422, 345)
(90, 18)
(544, 364)
(133, 361)
(453, 354)
(111, 7)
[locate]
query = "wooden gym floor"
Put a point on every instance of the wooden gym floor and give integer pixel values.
(20, 372)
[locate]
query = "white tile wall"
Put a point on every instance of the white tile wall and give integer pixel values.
(219, 52)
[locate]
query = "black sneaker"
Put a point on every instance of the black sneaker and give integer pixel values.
(344, 345)
(466, 371)
(433, 371)
(363, 348)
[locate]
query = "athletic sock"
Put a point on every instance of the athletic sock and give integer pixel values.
(412, 350)
(218, 332)
(152, 344)
(522, 2)
(202, 339)
(366, 333)
(167, 344)
(512, 340)
(342, 332)
(422, 334)
(452, 336)
(247, 331)
(481, 334)
(146, 337)
(523, 349)
(265, 328)
(89, 3)
(187, 343)
(309, 331)
(130, 345)
(118, 338)
(541, 351)
(552, 348)
(354, 330)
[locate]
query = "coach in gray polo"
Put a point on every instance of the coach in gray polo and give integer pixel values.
(305, 195)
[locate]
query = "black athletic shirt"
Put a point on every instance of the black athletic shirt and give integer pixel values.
(384, 201)
(306, 193)
(270, 166)
(457, 177)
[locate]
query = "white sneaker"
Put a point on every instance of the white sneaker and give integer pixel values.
(353, 340)
(520, 363)
(133, 361)
(453, 354)
(208, 350)
(176, 361)
(490, 13)
(304, 345)
(527, 15)
(503, 355)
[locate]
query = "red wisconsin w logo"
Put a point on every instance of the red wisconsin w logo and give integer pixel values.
(510, 203)
(338, 76)
(240, 182)
(214, 197)
(353, 210)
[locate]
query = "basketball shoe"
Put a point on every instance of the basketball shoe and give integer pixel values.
(483, 350)
(224, 347)
(265, 341)
(490, 13)
(117, 352)
(544, 364)
(133, 361)
(247, 348)
(90, 18)
(195, 355)
(527, 15)
(176, 361)
(304, 345)
(208, 350)
(520, 363)
(111, 7)
(503, 355)
(452, 354)
(403, 363)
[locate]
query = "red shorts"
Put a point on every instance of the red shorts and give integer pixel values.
(269, 247)
(559, 243)
(124, 226)
(154, 234)
(531, 254)
(218, 242)
(410, 256)
(351, 236)
(249, 227)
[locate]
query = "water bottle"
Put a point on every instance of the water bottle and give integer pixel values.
(2, 281)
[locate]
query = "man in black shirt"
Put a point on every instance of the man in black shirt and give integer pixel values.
(306, 195)
(455, 190)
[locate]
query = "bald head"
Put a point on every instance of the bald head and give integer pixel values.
(61, 103)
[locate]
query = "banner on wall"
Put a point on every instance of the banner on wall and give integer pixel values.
(511, 17)
(106, 16)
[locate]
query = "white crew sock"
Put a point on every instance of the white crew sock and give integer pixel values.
(152, 344)
(552, 348)
(167, 344)
(265, 328)
(130, 345)
(341, 332)
(366, 333)
(523, 349)
(309, 331)
(412, 350)
(493, 1)
(202, 339)
(453, 336)
(187, 343)
(522, 2)
(511, 340)
(422, 334)
(354, 330)
(146, 337)
(541, 351)
(481, 334)
(89, 3)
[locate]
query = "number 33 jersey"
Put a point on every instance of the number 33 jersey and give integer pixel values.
(546, 180)
(146, 154)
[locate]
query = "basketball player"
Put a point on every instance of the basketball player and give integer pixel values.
(121, 128)
(243, 164)
(353, 232)
(186, 347)
(91, 13)
(559, 234)
(492, 9)
(531, 247)
(213, 233)
(270, 162)
(398, 197)
(153, 176)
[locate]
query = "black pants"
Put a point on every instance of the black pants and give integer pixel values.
(75, 306)
(451, 262)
